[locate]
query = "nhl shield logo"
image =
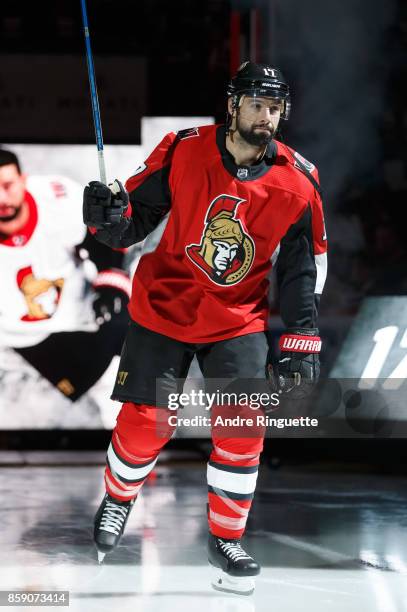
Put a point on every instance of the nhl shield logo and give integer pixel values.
(242, 173)
(226, 251)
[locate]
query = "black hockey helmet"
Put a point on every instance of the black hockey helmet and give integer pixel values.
(260, 80)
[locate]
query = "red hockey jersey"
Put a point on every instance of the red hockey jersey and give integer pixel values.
(215, 230)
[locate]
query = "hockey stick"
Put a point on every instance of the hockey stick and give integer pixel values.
(94, 95)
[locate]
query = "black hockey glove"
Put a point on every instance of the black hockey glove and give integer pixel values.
(112, 292)
(297, 370)
(104, 206)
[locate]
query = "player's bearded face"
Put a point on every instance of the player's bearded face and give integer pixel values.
(257, 119)
(12, 190)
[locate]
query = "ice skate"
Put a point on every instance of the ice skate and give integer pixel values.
(233, 568)
(110, 520)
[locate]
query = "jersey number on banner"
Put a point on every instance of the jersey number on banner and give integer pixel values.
(384, 340)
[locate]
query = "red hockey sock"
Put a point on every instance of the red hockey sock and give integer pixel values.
(140, 433)
(232, 474)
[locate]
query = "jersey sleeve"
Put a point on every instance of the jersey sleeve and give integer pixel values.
(149, 195)
(302, 267)
(67, 196)
(64, 208)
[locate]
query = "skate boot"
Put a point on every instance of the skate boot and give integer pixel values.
(233, 569)
(110, 520)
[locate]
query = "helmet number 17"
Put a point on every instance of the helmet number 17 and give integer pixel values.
(270, 72)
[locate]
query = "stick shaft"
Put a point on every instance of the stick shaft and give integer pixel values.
(94, 95)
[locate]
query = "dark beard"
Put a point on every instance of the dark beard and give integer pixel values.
(10, 217)
(256, 139)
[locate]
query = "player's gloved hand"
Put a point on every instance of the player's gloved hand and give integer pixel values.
(112, 292)
(104, 206)
(297, 370)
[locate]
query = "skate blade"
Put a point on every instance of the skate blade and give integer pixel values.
(101, 556)
(240, 585)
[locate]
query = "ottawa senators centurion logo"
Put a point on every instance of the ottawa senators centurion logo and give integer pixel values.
(226, 251)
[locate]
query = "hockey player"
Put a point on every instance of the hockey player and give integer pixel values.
(56, 308)
(220, 206)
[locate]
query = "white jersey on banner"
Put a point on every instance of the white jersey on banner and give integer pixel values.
(45, 287)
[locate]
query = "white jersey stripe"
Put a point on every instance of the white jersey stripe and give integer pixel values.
(321, 262)
(275, 254)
